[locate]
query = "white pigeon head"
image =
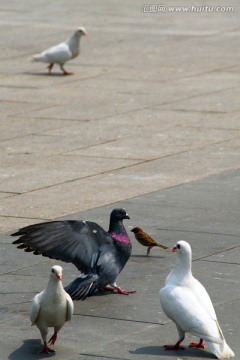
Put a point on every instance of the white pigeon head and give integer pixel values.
(56, 272)
(81, 31)
(182, 248)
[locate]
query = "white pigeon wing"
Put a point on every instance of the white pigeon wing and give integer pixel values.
(201, 293)
(35, 307)
(182, 306)
(70, 307)
(56, 54)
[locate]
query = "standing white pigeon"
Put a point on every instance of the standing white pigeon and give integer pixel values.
(51, 308)
(63, 52)
(186, 302)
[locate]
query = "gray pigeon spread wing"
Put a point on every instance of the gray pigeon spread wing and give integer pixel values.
(70, 241)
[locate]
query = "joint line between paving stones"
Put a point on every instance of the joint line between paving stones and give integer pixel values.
(24, 268)
(154, 158)
(220, 262)
(197, 231)
(209, 127)
(77, 179)
(117, 319)
(216, 253)
(24, 217)
(102, 356)
(192, 97)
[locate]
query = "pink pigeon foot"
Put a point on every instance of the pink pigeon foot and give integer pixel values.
(199, 345)
(119, 290)
(46, 349)
(65, 72)
(53, 339)
(174, 347)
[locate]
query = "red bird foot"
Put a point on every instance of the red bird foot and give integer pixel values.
(177, 346)
(67, 73)
(46, 349)
(123, 291)
(199, 345)
(53, 339)
(118, 290)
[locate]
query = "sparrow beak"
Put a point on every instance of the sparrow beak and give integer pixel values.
(59, 276)
(174, 249)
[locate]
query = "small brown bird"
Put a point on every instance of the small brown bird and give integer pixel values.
(146, 240)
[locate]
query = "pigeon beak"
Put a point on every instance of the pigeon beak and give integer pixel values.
(174, 249)
(59, 276)
(126, 216)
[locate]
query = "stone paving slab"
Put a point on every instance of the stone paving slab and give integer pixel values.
(146, 86)
(49, 175)
(111, 187)
(214, 102)
(145, 147)
(135, 326)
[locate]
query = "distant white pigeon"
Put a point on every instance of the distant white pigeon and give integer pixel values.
(51, 308)
(63, 52)
(186, 302)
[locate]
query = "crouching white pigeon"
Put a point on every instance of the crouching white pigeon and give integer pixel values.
(51, 308)
(63, 52)
(186, 302)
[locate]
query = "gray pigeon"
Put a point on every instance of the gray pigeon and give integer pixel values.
(99, 255)
(63, 52)
(51, 308)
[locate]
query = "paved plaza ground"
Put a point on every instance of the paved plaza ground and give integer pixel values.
(149, 122)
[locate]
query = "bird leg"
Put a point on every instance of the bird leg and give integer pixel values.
(46, 349)
(199, 345)
(118, 289)
(65, 72)
(53, 338)
(175, 347)
(148, 249)
(50, 66)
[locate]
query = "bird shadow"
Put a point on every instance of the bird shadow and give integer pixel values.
(29, 350)
(160, 351)
(54, 74)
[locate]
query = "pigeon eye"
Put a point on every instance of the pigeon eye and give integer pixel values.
(178, 246)
(52, 271)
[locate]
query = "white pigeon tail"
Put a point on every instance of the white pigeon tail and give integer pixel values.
(51, 308)
(63, 52)
(186, 302)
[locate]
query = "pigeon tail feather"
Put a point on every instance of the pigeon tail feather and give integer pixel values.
(82, 287)
(221, 351)
(37, 57)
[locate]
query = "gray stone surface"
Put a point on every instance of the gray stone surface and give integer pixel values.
(148, 121)
(134, 326)
(152, 94)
